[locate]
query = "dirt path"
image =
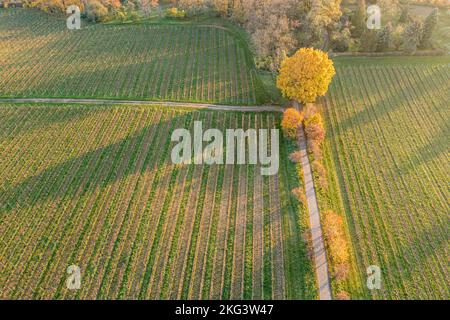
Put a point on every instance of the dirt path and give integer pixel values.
(263, 108)
(320, 257)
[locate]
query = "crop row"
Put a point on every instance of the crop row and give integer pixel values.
(389, 136)
(94, 186)
(40, 58)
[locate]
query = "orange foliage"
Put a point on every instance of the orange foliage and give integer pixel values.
(314, 128)
(310, 109)
(315, 150)
(333, 229)
(343, 295)
(295, 156)
(321, 173)
(315, 132)
(300, 195)
(292, 119)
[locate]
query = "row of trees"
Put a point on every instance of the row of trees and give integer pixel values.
(279, 27)
(402, 30)
(98, 10)
(437, 3)
(304, 77)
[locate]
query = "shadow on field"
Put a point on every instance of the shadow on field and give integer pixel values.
(299, 269)
(27, 119)
(402, 93)
(115, 82)
(433, 268)
(32, 22)
(429, 152)
(92, 170)
(54, 66)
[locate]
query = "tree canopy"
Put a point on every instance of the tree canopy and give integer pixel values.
(306, 75)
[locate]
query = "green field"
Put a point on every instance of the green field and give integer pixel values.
(94, 186)
(387, 154)
(40, 57)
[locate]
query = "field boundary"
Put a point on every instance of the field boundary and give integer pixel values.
(263, 108)
(318, 244)
(320, 255)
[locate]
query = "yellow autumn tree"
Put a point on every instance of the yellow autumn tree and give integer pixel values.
(306, 75)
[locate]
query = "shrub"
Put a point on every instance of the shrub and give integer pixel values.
(385, 38)
(323, 183)
(397, 37)
(292, 119)
(343, 295)
(315, 150)
(307, 239)
(300, 195)
(96, 11)
(319, 168)
(428, 29)
(174, 13)
(193, 7)
(411, 36)
(295, 157)
(368, 41)
(341, 271)
(134, 16)
(321, 173)
(313, 118)
(333, 229)
(315, 132)
(341, 40)
(310, 110)
(314, 125)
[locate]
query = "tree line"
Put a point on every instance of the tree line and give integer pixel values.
(97, 10)
(278, 28)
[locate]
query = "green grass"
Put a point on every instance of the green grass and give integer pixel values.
(94, 186)
(387, 154)
(188, 62)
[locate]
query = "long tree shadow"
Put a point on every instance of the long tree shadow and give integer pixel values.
(23, 122)
(79, 83)
(426, 153)
(87, 75)
(397, 93)
(48, 184)
(31, 22)
(428, 238)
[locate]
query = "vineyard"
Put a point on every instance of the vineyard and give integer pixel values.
(40, 57)
(389, 127)
(94, 186)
